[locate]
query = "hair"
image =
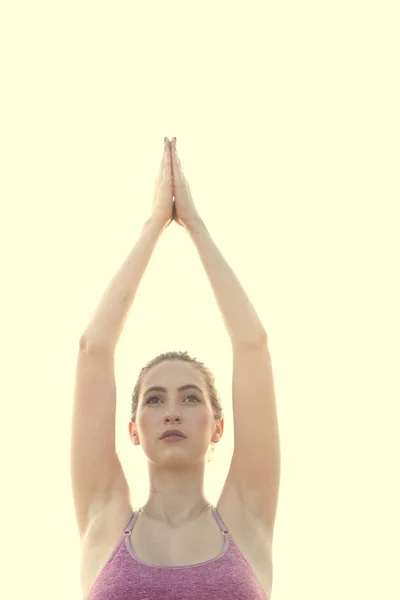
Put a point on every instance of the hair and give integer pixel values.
(184, 356)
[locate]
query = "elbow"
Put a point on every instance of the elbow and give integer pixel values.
(255, 341)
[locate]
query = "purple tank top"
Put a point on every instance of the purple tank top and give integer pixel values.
(227, 577)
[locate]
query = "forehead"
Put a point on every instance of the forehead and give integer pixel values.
(172, 374)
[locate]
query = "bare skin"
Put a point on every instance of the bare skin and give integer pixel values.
(176, 470)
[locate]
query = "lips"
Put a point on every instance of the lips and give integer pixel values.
(170, 432)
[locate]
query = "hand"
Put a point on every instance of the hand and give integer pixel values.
(163, 204)
(185, 212)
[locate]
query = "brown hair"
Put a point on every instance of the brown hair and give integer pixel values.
(179, 355)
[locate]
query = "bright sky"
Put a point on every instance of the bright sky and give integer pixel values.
(288, 129)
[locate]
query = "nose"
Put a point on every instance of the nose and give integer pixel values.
(172, 420)
(172, 417)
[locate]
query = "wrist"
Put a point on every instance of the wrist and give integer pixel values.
(153, 222)
(195, 225)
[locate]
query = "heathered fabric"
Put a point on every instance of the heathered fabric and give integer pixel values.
(227, 577)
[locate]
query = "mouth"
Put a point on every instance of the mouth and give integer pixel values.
(173, 438)
(172, 434)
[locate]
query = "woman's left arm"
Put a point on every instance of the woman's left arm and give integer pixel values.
(239, 315)
(254, 474)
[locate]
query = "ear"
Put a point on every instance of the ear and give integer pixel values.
(218, 431)
(133, 434)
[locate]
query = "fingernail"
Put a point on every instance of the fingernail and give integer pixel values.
(165, 142)
(174, 141)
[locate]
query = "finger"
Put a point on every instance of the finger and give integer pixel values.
(167, 150)
(176, 163)
(166, 166)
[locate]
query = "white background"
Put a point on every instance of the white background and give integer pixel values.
(288, 129)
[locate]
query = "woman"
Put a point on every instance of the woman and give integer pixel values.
(177, 545)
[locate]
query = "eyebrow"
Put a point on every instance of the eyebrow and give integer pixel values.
(180, 389)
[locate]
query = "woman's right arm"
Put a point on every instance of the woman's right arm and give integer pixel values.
(108, 320)
(96, 472)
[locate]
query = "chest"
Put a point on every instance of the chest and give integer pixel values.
(196, 543)
(181, 547)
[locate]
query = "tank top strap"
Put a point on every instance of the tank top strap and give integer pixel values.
(219, 520)
(217, 517)
(132, 521)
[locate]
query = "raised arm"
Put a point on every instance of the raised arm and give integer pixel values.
(240, 318)
(96, 472)
(107, 323)
(254, 475)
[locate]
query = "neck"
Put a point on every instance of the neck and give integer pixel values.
(175, 518)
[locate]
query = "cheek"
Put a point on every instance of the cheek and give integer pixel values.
(145, 420)
(203, 420)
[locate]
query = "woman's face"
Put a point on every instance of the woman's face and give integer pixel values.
(181, 401)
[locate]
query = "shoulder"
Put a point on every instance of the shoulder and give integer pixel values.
(250, 535)
(103, 534)
(109, 523)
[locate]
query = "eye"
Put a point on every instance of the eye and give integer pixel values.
(157, 398)
(151, 398)
(193, 396)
